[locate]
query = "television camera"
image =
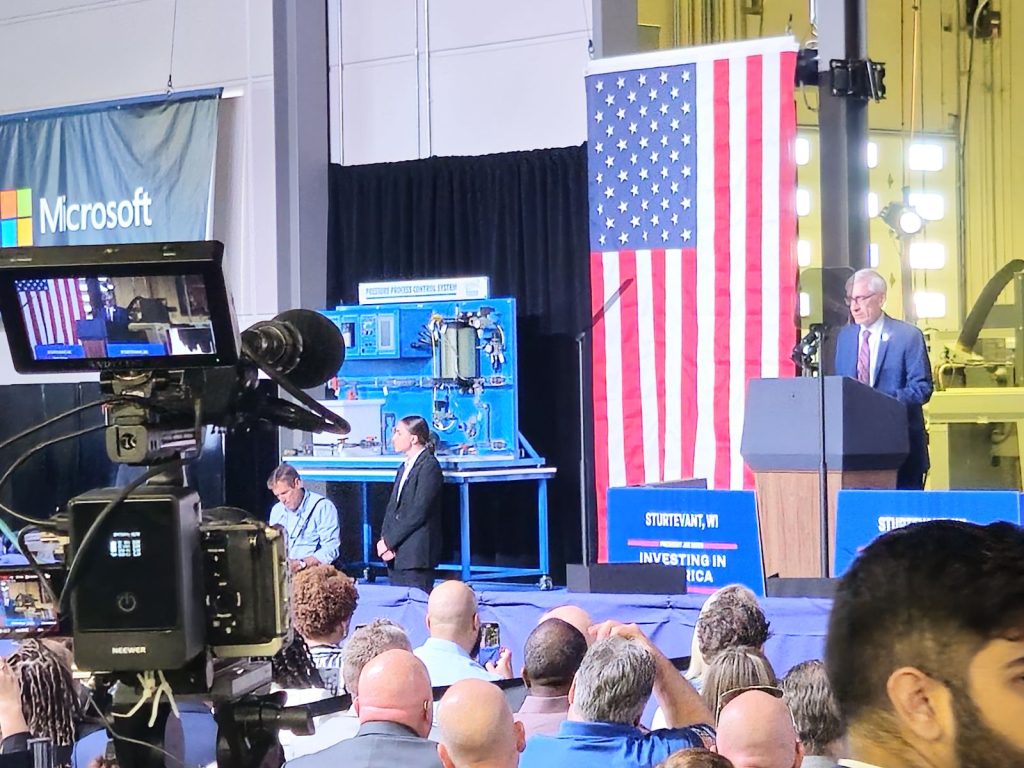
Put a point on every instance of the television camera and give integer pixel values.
(166, 599)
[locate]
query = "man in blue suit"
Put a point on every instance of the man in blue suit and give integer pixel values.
(890, 356)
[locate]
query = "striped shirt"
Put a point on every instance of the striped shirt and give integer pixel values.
(328, 660)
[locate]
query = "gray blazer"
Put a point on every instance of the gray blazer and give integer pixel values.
(376, 744)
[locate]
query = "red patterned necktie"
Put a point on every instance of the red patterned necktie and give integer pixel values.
(864, 358)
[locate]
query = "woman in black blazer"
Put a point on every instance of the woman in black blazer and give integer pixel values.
(410, 539)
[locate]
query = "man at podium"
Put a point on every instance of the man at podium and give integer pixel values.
(889, 355)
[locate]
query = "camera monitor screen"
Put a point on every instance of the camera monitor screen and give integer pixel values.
(127, 308)
(116, 317)
(28, 609)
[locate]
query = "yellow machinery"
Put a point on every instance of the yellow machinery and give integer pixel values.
(976, 415)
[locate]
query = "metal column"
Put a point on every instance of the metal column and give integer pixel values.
(301, 151)
(843, 126)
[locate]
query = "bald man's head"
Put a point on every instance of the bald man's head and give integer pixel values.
(755, 730)
(572, 614)
(477, 730)
(394, 687)
(452, 614)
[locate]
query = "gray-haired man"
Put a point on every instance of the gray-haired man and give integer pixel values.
(606, 699)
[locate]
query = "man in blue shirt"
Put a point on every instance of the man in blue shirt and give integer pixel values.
(309, 520)
(606, 699)
(454, 625)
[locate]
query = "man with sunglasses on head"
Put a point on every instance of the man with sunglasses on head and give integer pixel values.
(890, 356)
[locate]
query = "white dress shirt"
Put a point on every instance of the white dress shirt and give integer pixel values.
(409, 461)
(874, 341)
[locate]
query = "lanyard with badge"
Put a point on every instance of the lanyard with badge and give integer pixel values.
(302, 522)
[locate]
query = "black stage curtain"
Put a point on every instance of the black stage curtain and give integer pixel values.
(521, 219)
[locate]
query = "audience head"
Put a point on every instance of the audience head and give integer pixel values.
(925, 643)
(477, 729)
(815, 712)
(366, 644)
(755, 730)
(452, 614)
(323, 601)
(293, 667)
(697, 663)
(48, 697)
(574, 615)
(696, 757)
(733, 618)
(613, 683)
(733, 668)
(286, 485)
(552, 654)
(394, 687)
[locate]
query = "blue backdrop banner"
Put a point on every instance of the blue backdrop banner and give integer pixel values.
(862, 516)
(712, 534)
(118, 172)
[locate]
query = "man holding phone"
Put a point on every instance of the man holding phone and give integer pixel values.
(456, 633)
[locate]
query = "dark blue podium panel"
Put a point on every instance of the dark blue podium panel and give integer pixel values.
(712, 534)
(862, 516)
(864, 429)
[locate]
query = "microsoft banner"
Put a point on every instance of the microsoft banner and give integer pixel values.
(117, 172)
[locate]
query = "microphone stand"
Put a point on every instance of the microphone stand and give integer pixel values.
(585, 530)
(810, 347)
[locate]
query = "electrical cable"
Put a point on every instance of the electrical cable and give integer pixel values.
(36, 568)
(54, 420)
(982, 4)
(170, 58)
(42, 523)
(122, 494)
(118, 737)
(914, 71)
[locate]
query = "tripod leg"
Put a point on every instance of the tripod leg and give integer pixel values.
(164, 734)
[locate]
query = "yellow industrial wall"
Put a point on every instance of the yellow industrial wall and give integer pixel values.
(993, 163)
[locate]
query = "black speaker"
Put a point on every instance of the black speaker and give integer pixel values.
(626, 578)
(774, 586)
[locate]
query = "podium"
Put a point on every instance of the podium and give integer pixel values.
(866, 441)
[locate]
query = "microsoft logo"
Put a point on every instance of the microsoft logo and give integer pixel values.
(15, 217)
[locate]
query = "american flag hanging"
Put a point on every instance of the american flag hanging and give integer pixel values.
(692, 237)
(51, 308)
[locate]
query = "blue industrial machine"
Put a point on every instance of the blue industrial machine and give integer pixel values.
(454, 364)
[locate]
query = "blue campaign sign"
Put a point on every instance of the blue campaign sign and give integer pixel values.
(133, 171)
(59, 351)
(712, 534)
(135, 349)
(862, 516)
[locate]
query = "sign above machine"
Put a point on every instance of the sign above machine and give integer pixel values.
(414, 291)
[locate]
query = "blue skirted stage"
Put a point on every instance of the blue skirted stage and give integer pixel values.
(798, 625)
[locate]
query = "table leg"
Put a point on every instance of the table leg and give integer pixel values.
(938, 447)
(464, 529)
(1020, 451)
(364, 511)
(542, 526)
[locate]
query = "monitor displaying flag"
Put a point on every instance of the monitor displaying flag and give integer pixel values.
(693, 273)
(51, 308)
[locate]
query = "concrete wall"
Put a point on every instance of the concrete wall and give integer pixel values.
(62, 52)
(457, 77)
(408, 79)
